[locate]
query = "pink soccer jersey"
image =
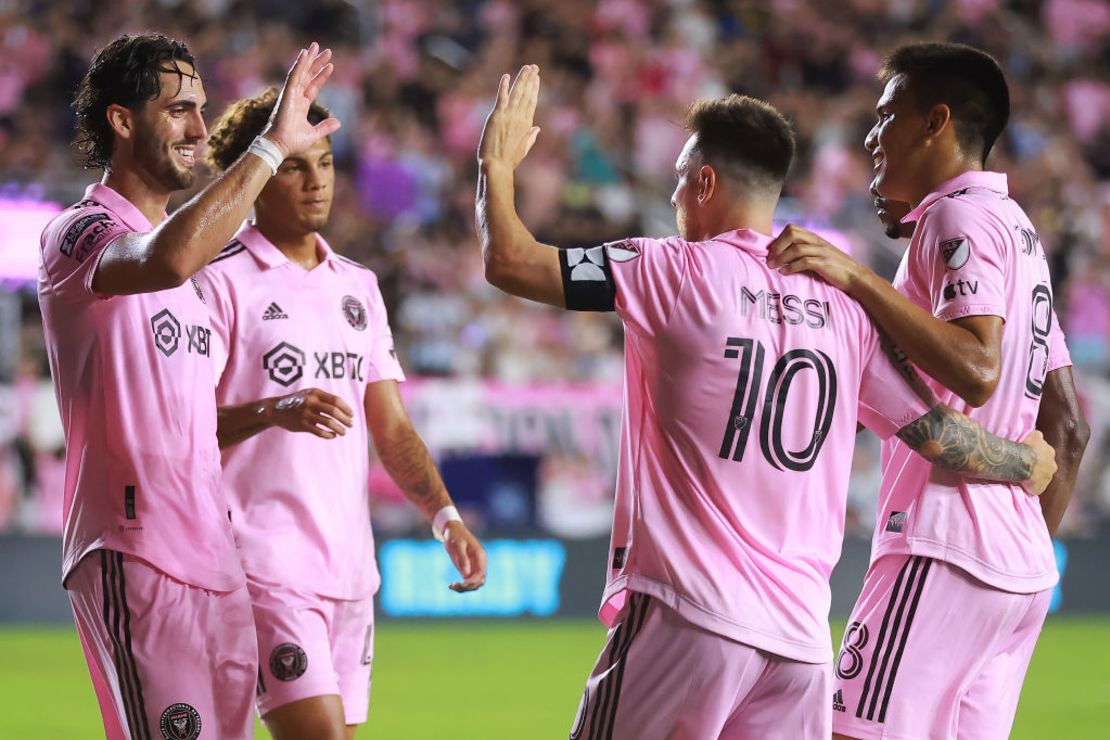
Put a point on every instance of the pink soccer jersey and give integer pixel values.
(133, 376)
(743, 387)
(975, 253)
(300, 505)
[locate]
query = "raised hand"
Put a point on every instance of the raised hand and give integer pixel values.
(508, 135)
(288, 127)
(467, 554)
(313, 411)
(1045, 467)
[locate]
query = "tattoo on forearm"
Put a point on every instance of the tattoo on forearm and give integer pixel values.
(408, 463)
(951, 440)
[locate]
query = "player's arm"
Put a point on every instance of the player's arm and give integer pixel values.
(942, 435)
(188, 240)
(948, 439)
(963, 355)
(408, 462)
(1061, 421)
(515, 262)
(313, 411)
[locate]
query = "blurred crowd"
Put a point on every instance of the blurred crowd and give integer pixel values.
(415, 79)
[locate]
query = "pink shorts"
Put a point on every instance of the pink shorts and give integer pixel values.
(661, 677)
(932, 652)
(168, 660)
(311, 645)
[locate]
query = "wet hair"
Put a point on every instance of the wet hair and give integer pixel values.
(125, 72)
(745, 139)
(241, 122)
(967, 80)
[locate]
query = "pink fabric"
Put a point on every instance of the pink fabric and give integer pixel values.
(659, 676)
(299, 503)
(336, 639)
(950, 661)
(133, 376)
(739, 537)
(975, 253)
(162, 653)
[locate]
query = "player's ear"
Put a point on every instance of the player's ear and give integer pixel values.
(938, 120)
(707, 184)
(121, 119)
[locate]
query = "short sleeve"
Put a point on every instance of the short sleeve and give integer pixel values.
(71, 249)
(1058, 354)
(963, 261)
(221, 315)
(382, 360)
(887, 402)
(640, 279)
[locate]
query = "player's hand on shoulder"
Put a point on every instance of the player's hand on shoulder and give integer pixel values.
(468, 555)
(799, 250)
(314, 411)
(289, 127)
(508, 135)
(1045, 466)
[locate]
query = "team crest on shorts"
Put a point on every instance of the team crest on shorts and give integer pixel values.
(354, 312)
(288, 662)
(180, 722)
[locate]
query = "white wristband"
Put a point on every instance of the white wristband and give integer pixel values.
(443, 517)
(267, 151)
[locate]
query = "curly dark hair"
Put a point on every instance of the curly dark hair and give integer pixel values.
(744, 138)
(125, 72)
(241, 122)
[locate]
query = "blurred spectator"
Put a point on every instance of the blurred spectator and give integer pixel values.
(415, 79)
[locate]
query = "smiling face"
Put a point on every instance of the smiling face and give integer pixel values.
(168, 130)
(297, 200)
(896, 143)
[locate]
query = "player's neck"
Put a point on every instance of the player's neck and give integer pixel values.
(150, 201)
(750, 215)
(943, 171)
(298, 248)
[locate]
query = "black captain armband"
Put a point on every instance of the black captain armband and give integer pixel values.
(588, 275)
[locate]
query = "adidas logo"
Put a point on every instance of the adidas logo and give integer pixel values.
(273, 311)
(838, 701)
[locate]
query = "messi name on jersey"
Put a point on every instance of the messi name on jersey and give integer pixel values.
(784, 308)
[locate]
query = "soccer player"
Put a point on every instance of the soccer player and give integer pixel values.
(742, 392)
(289, 313)
(150, 564)
(972, 307)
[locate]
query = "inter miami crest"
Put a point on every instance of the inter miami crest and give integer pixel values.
(288, 662)
(354, 312)
(180, 722)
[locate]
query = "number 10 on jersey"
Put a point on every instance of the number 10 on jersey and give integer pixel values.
(804, 365)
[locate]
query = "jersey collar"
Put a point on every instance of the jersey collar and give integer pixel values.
(746, 239)
(270, 256)
(974, 179)
(117, 204)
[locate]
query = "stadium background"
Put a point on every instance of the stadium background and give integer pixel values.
(520, 403)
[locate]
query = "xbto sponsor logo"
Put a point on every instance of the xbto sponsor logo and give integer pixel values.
(284, 363)
(167, 335)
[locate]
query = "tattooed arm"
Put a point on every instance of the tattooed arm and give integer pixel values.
(411, 467)
(947, 438)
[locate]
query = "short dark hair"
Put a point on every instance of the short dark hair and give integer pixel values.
(745, 138)
(125, 72)
(243, 120)
(967, 80)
